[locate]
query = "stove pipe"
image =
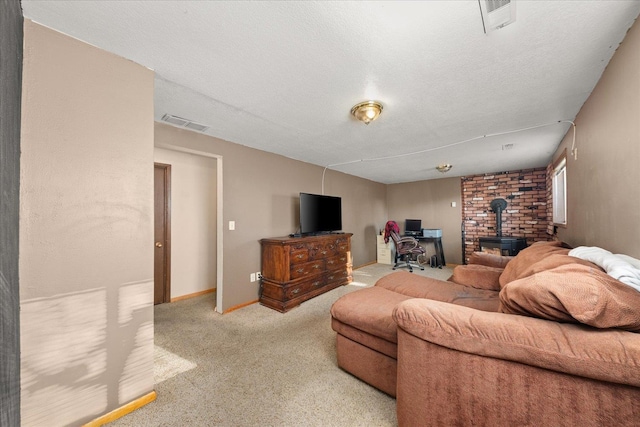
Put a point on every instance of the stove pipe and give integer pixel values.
(498, 205)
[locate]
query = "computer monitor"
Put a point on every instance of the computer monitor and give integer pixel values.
(412, 226)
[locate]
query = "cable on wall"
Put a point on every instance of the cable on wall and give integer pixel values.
(574, 149)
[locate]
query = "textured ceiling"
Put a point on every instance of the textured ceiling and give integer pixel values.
(283, 76)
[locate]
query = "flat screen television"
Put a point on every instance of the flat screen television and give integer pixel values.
(412, 227)
(320, 214)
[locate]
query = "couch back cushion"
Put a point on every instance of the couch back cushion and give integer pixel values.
(575, 293)
(489, 259)
(520, 266)
(477, 276)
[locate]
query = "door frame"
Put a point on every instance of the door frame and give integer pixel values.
(219, 213)
(167, 221)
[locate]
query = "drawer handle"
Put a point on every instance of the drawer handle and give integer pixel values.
(300, 270)
(343, 259)
(316, 283)
(317, 266)
(331, 277)
(300, 256)
(331, 262)
(295, 291)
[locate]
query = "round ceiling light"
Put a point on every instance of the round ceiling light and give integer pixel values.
(367, 111)
(445, 167)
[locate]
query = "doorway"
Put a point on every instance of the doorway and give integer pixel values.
(217, 189)
(162, 233)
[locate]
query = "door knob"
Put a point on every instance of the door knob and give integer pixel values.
(158, 245)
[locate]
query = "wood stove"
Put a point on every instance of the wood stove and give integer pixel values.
(501, 245)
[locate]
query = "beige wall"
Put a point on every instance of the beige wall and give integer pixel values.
(603, 193)
(86, 213)
(430, 201)
(86, 230)
(193, 221)
(261, 193)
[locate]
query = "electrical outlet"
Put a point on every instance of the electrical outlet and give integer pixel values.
(258, 275)
(252, 277)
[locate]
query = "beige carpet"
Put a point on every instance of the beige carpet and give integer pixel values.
(258, 367)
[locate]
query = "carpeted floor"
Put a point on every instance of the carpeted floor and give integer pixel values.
(258, 367)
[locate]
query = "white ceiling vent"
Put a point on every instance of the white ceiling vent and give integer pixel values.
(184, 123)
(497, 13)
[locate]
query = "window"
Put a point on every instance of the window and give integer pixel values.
(559, 188)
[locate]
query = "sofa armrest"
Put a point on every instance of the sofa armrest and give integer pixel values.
(490, 260)
(601, 354)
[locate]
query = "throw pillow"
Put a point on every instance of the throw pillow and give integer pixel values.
(574, 293)
(621, 267)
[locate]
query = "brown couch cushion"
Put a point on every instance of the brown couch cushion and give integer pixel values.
(519, 266)
(477, 276)
(552, 261)
(415, 286)
(574, 293)
(369, 310)
(490, 260)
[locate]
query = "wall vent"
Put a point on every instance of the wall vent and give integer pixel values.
(497, 13)
(184, 123)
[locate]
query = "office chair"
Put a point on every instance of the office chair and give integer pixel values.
(408, 251)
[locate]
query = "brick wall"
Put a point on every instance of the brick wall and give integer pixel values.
(549, 181)
(527, 193)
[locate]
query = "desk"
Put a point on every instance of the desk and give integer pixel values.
(437, 245)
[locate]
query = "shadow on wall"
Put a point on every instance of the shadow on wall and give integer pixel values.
(85, 353)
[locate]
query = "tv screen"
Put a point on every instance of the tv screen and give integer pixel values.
(320, 214)
(412, 226)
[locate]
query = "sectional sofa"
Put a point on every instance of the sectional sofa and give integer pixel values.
(545, 338)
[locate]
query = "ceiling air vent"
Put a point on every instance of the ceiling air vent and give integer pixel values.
(184, 123)
(497, 13)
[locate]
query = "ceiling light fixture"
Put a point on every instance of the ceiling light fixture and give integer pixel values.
(367, 111)
(445, 167)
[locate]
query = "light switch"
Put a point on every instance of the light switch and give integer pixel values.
(232, 225)
(453, 204)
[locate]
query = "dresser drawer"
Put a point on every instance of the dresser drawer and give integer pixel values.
(304, 287)
(321, 251)
(339, 246)
(337, 261)
(306, 269)
(299, 256)
(340, 275)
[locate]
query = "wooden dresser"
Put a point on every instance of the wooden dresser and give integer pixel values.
(295, 269)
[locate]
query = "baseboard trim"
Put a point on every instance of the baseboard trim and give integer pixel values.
(122, 411)
(239, 306)
(193, 295)
(365, 265)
